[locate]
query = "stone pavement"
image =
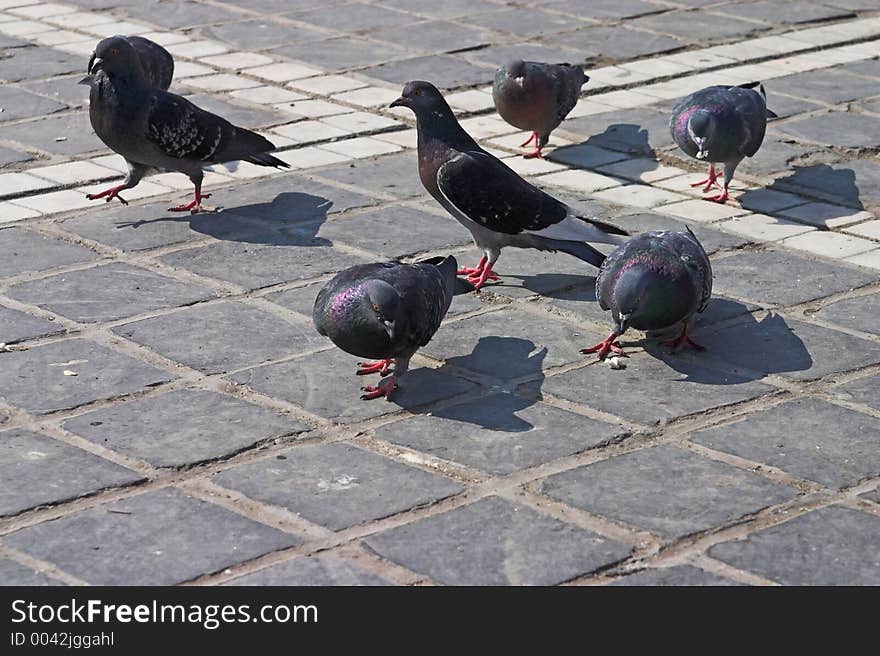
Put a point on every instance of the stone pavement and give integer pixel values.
(168, 413)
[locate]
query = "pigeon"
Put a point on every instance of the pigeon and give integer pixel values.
(488, 198)
(536, 96)
(721, 124)
(654, 281)
(385, 311)
(155, 130)
(158, 64)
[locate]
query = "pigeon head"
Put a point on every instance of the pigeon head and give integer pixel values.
(701, 127)
(648, 295)
(516, 70)
(384, 305)
(115, 54)
(421, 97)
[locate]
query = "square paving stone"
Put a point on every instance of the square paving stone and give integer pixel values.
(108, 292)
(809, 438)
(64, 91)
(780, 278)
(183, 427)
(500, 344)
(616, 43)
(176, 14)
(636, 131)
(13, 573)
(311, 570)
(67, 134)
(9, 156)
(445, 9)
(792, 13)
(679, 575)
(830, 86)
(445, 71)
(863, 390)
(16, 326)
(18, 103)
(523, 21)
(847, 183)
(793, 349)
(604, 9)
(711, 240)
(38, 62)
(494, 542)
(500, 433)
(222, 336)
(840, 129)
(697, 26)
(433, 36)
(860, 313)
(664, 390)
(259, 34)
(25, 251)
(356, 17)
(341, 54)
(393, 174)
(775, 154)
(158, 538)
(829, 546)
(304, 381)
(666, 490)
(34, 379)
(337, 485)
(237, 114)
(36, 470)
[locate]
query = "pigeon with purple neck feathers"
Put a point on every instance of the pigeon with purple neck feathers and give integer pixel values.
(654, 281)
(536, 96)
(385, 311)
(155, 130)
(721, 124)
(156, 62)
(488, 198)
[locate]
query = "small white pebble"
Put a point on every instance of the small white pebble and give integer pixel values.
(68, 372)
(615, 363)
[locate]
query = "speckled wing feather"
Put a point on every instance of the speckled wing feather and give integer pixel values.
(426, 297)
(751, 111)
(694, 256)
(570, 79)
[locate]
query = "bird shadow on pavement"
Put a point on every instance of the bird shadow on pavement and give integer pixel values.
(737, 351)
(291, 218)
(508, 358)
(629, 138)
(837, 185)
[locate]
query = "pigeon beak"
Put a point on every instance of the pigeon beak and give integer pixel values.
(95, 64)
(623, 320)
(702, 153)
(389, 328)
(400, 102)
(519, 80)
(87, 80)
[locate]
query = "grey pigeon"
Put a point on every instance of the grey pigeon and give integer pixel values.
(155, 130)
(488, 198)
(536, 96)
(157, 63)
(721, 124)
(654, 281)
(385, 311)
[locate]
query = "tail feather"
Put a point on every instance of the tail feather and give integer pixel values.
(265, 159)
(578, 249)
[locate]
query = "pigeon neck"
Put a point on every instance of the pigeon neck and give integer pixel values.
(439, 124)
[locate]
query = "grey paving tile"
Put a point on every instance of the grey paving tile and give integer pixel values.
(13, 573)
(34, 379)
(830, 86)
(36, 470)
(860, 313)
(841, 129)
(679, 575)
(794, 13)
(829, 546)
(667, 490)
(494, 542)
(259, 34)
(9, 156)
(304, 381)
(34, 62)
(809, 438)
(357, 17)
(433, 36)
(183, 427)
(221, 336)
(25, 251)
(158, 538)
(393, 174)
(774, 156)
(698, 26)
(711, 240)
(499, 434)
(500, 53)
(311, 570)
(862, 390)
(337, 485)
(65, 134)
(18, 103)
(64, 91)
(616, 43)
(444, 71)
(341, 54)
(177, 14)
(525, 22)
(604, 9)
(446, 9)
(16, 326)
(636, 131)
(239, 114)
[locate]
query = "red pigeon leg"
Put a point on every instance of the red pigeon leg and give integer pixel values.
(195, 205)
(479, 279)
(722, 197)
(467, 271)
(110, 194)
(711, 180)
(606, 345)
(385, 388)
(679, 342)
(536, 153)
(534, 138)
(380, 367)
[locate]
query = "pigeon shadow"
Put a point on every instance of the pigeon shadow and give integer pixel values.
(629, 138)
(837, 185)
(742, 351)
(519, 359)
(291, 218)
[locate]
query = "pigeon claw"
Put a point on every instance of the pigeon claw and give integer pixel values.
(380, 367)
(385, 388)
(535, 154)
(606, 345)
(683, 340)
(532, 138)
(710, 181)
(722, 197)
(109, 194)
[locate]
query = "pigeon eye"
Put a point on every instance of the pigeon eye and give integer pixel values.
(417, 92)
(114, 51)
(376, 308)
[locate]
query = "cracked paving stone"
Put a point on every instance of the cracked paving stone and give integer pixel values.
(495, 542)
(829, 546)
(863, 390)
(499, 434)
(125, 290)
(304, 381)
(667, 490)
(679, 575)
(16, 326)
(157, 538)
(797, 437)
(779, 278)
(222, 336)
(34, 379)
(183, 427)
(311, 571)
(337, 485)
(14, 573)
(860, 313)
(25, 251)
(36, 470)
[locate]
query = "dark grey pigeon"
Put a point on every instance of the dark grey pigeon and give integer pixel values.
(654, 281)
(488, 198)
(385, 311)
(721, 124)
(536, 96)
(157, 63)
(159, 131)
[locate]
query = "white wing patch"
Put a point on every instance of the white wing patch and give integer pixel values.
(571, 228)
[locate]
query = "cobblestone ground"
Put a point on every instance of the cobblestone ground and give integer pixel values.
(168, 414)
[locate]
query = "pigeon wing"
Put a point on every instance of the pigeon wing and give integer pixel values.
(181, 130)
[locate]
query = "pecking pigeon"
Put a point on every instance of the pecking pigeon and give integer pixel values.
(721, 124)
(488, 198)
(536, 96)
(385, 311)
(159, 131)
(654, 281)
(157, 63)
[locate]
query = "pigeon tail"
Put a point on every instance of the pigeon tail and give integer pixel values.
(579, 249)
(265, 159)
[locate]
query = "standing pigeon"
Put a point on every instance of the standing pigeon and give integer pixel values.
(385, 311)
(536, 96)
(655, 280)
(158, 64)
(159, 131)
(488, 198)
(721, 124)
